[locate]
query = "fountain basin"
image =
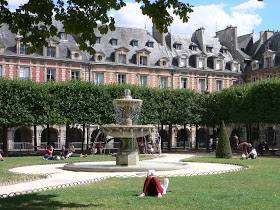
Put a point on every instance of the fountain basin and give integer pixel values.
(110, 166)
(127, 131)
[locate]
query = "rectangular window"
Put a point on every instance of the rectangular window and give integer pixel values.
(219, 65)
(1, 71)
(143, 60)
(23, 49)
(114, 42)
(51, 74)
(200, 63)
(143, 80)
(202, 85)
(98, 40)
(163, 82)
(184, 83)
(122, 58)
(99, 78)
(75, 75)
(51, 52)
(219, 85)
(24, 73)
(121, 78)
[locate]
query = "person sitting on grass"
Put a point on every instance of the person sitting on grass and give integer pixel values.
(153, 187)
(253, 153)
(49, 154)
(1, 158)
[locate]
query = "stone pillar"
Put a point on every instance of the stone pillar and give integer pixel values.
(193, 137)
(10, 138)
(174, 137)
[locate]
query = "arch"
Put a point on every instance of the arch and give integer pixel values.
(75, 135)
(202, 137)
(192, 61)
(210, 62)
(1, 135)
(271, 136)
(277, 60)
(23, 134)
(164, 138)
(184, 136)
(97, 136)
(53, 135)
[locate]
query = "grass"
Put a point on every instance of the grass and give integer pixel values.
(255, 188)
(12, 162)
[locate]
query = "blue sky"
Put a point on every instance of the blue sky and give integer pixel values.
(247, 15)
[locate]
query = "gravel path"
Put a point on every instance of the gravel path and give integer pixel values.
(61, 178)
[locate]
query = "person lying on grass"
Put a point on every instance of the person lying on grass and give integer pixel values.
(153, 187)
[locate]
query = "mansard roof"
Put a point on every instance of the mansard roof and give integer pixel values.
(244, 40)
(124, 37)
(273, 44)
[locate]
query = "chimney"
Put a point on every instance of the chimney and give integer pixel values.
(228, 37)
(199, 38)
(158, 36)
(265, 35)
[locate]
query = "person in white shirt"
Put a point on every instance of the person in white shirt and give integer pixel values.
(253, 153)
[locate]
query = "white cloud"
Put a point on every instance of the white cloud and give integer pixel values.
(248, 6)
(13, 4)
(212, 17)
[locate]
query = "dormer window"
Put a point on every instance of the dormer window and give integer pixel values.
(98, 40)
(163, 62)
(122, 58)
(143, 60)
(121, 55)
(114, 42)
(99, 56)
(209, 49)
(23, 49)
(51, 52)
(63, 36)
(150, 44)
(223, 50)
(193, 47)
(178, 46)
(134, 43)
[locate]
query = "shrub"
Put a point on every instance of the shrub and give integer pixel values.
(223, 147)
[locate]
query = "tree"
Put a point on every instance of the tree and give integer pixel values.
(223, 148)
(34, 20)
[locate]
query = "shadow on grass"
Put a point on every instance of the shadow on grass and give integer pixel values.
(41, 202)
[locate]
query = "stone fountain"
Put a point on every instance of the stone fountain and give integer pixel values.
(127, 129)
(127, 111)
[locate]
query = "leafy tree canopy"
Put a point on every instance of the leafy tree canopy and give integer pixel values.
(34, 20)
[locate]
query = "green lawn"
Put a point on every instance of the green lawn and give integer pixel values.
(255, 188)
(12, 162)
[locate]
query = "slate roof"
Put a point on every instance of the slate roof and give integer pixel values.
(124, 37)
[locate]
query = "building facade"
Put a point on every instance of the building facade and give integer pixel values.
(130, 56)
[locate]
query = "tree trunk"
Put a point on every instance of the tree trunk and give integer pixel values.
(84, 131)
(170, 137)
(87, 137)
(35, 137)
(196, 137)
(67, 135)
(186, 136)
(47, 134)
(5, 141)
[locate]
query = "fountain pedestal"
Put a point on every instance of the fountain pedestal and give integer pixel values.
(126, 129)
(127, 158)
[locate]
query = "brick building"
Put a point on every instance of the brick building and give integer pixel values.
(126, 55)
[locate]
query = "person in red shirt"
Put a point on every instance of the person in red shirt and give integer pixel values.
(153, 187)
(49, 154)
